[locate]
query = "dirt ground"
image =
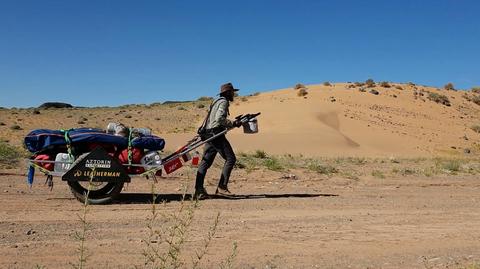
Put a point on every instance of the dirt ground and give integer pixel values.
(307, 222)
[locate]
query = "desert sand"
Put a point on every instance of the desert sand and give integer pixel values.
(335, 120)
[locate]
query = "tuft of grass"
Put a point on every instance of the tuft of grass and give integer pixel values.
(256, 94)
(200, 106)
(324, 169)
(260, 154)
(274, 164)
(378, 174)
(449, 165)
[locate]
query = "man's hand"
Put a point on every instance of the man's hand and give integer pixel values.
(237, 123)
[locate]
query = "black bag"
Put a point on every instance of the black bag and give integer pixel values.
(202, 131)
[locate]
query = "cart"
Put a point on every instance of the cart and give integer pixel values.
(103, 175)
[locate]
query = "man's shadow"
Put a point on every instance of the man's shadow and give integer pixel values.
(147, 198)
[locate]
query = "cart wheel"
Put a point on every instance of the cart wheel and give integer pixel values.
(100, 192)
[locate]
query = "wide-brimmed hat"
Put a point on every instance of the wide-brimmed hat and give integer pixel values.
(227, 87)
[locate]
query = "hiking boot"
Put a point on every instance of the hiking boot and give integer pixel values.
(200, 194)
(223, 191)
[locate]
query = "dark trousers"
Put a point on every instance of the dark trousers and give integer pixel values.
(222, 146)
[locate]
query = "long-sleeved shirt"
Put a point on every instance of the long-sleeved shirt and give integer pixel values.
(219, 114)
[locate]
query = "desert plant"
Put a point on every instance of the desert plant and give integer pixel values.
(475, 99)
(476, 89)
(378, 174)
(200, 106)
(359, 84)
(36, 111)
(244, 99)
(299, 86)
(15, 127)
(181, 108)
(302, 92)
(325, 169)
(81, 235)
(9, 155)
(449, 87)
(439, 98)
(260, 154)
(128, 116)
(373, 91)
(370, 83)
(2, 124)
(274, 164)
(255, 93)
(385, 84)
(326, 83)
(398, 87)
(449, 165)
(476, 128)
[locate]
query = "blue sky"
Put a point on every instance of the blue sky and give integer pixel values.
(95, 53)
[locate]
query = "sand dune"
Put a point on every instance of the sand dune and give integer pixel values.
(337, 120)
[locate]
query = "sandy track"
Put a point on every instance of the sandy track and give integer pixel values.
(413, 222)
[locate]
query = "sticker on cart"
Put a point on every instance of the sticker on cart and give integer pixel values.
(172, 165)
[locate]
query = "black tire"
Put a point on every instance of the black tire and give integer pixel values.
(103, 195)
(100, 192)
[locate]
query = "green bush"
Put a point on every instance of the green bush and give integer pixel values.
(9, 155)
(273, 164)
(439, 98)
(324, 169)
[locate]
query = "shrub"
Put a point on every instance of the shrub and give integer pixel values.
(373, 91)
(128, 116)
(398, 87)
(205, 98)
(439, 98)
(476, 128)
(321, 168)
(378, 174)
(181, 108)
(2, 124)
(475, 99)
(302, 92)
(359, 84)
(260, 154)
(9, 155)
(450, 165)
(36, 111)
(476, 89)
(326, 83)
(256, 94)
(299, 86)
(370, 83)
(200, 106)
(273, 164)
(449, 87)
(15, 127)
(385, 84)
(244, 99)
